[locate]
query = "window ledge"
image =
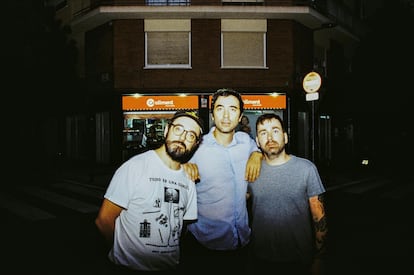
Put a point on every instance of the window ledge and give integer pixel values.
(244, 67)
(168, 67)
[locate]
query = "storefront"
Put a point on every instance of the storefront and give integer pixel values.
(145, 118)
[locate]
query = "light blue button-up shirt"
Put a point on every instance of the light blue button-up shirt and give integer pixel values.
(221, 193)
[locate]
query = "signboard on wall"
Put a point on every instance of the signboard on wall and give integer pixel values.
(174, 102)
(264, 101)
(252, 102)
(312, 82)
(149, 103)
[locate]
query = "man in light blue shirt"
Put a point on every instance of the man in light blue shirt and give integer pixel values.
(220, 235)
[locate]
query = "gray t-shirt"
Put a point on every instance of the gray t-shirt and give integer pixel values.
(281, 220)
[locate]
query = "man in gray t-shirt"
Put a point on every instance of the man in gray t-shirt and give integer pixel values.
(288, 217)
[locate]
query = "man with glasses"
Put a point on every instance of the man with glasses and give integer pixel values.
(147, 201)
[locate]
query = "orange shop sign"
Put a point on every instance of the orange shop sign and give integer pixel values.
(130, 103)
(252, 102)
(264, 101)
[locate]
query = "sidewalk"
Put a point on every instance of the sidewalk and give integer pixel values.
(97, 176)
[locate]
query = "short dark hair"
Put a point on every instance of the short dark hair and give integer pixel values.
(227, 92)
(269, 116)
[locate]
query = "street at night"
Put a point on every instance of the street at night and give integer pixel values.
(50, 229)
(89, 84)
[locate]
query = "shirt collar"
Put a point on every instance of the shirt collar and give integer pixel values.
(210, 139)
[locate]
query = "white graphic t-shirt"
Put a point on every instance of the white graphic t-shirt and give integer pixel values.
(156, 201)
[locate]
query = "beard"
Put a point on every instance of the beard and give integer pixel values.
(178, 151)
(274, 151)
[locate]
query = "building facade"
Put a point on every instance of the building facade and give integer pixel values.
(163, 50)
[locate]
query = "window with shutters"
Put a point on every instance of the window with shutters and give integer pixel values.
(167, 43)
(243, 43)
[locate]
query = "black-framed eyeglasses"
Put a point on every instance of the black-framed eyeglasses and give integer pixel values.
(178, 130)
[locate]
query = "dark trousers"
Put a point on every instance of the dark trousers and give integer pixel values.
(259, 266)
(197, 258)
(112, 269)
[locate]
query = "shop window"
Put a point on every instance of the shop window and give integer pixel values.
(167, 43)
(243, 43)
(143, 131)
